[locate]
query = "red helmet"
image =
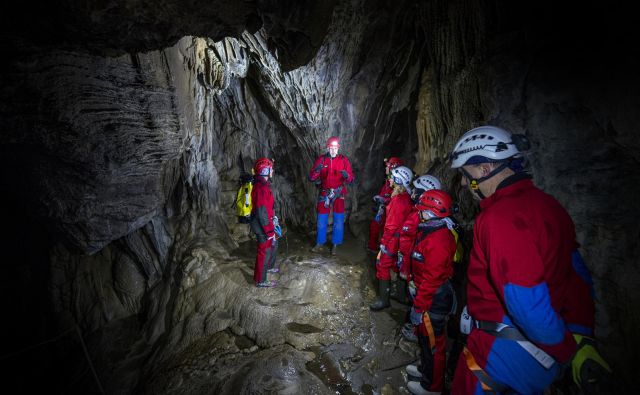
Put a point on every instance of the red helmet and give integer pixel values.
(393, 162)
(333, 142)
(437, 201)
(262, 167)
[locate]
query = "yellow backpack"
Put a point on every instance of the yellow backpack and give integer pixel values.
(459, 249)
(243, 199)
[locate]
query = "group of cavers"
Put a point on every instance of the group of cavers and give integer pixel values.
(529, 314)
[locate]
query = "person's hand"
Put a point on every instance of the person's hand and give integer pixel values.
(590, 371)
(378, 199)
(400, 259)
(415, 316)
(345, 175)
(412, 290)
(318, 168)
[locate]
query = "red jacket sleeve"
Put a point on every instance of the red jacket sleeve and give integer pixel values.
(347, 168)
(397, 211)
(407, 238)
(314, 174)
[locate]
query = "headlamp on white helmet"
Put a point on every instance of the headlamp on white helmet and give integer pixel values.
(402, 175)
(427, 182)
(487, 144)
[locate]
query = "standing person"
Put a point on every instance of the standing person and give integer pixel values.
(262, 223)
(522, 284)
(407, 238)
(332, 172)
(397, 210)
(431, 263)
(381, 200)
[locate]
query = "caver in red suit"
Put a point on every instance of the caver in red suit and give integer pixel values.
(431, 267)
(397, 210)
(410, 226)
(521, 280)
(382, 199)
(332, 172)
(262, 222)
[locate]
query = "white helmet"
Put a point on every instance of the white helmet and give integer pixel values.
(427, 182)
(402, 175)
(487, 144)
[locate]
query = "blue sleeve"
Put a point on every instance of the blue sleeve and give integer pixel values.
(530, 309)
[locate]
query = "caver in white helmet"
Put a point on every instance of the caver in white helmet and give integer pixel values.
(402, 175)
(487, 144)
(427, 182)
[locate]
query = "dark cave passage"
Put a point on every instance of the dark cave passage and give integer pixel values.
(126, 127)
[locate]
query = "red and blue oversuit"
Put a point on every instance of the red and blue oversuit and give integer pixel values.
(521, 274)
(431, 267)
(262, 225)
(377, 223)
(397, 210)
(332, 174)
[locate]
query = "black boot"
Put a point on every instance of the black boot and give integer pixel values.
(401, 291)
(383, 296)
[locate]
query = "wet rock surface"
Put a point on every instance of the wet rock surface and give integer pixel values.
(312, 333)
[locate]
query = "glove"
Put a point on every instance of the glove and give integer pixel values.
(591, 372)
(415, 317)
(278, 230)
(399, 261)
(378, 199)
(318, 168)
(412, 290)
(345, 175)
(275, 221)
(378, 217)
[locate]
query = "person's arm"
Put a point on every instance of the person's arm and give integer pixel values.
(347, 172)
(316, 170)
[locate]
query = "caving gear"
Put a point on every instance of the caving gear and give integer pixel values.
(382, 302)
(243, 199)
(399, 291)
(267, 284)
(413, 371)
(435, 202)
(521, 274)
(333, 142)
(262, 225)
(377, 224)
(402, 175)
(416, 388)
(427, 182)
(431, 266)
(487, 144)
(393, 162)
(589, 370)
(408, 332)
(332, 194)
(396, 212)
(263, 167)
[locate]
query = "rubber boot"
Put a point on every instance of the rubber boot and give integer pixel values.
(383, 297)
(401, 291)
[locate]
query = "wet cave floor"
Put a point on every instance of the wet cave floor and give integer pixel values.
(312, 334)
